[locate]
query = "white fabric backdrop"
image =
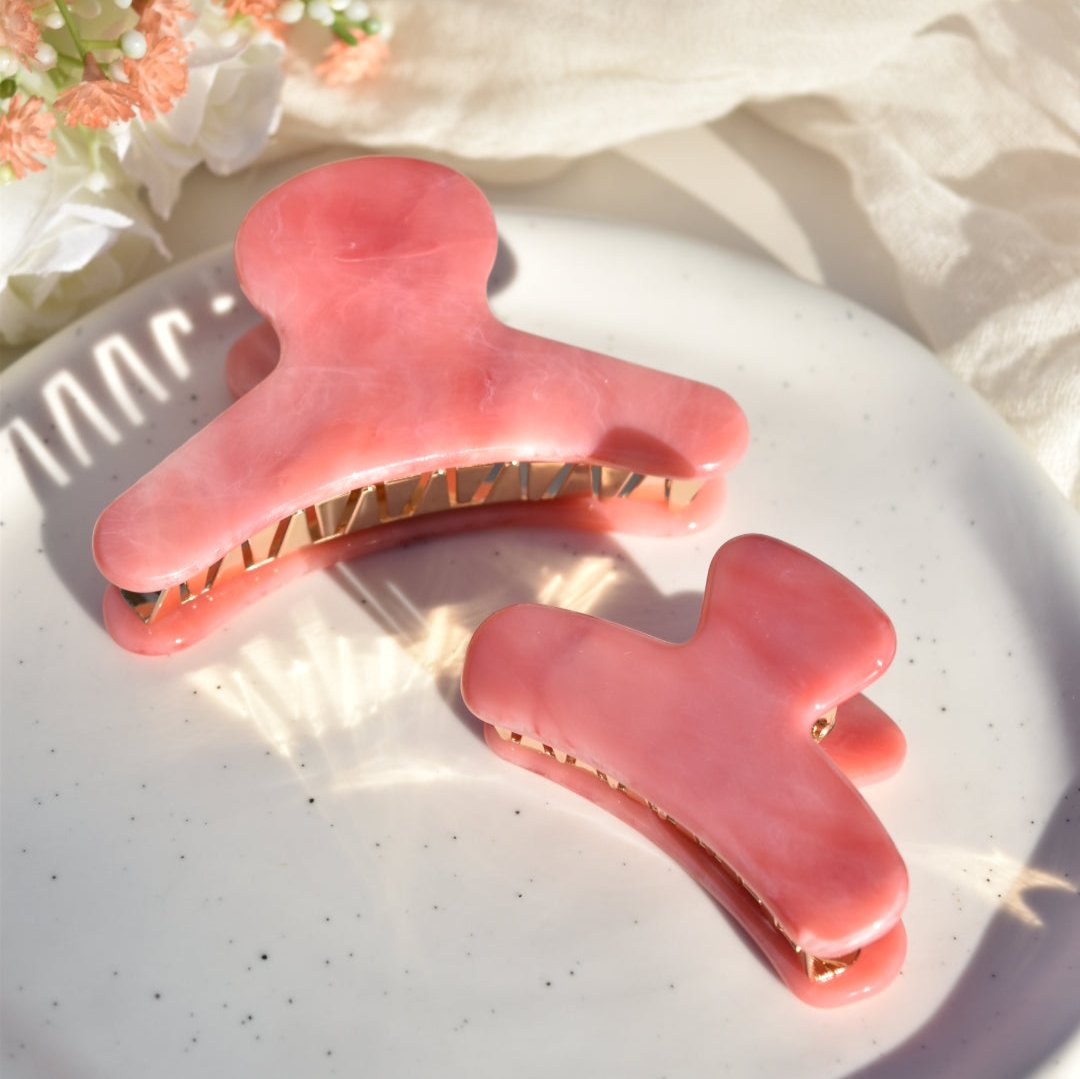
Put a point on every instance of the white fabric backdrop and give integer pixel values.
(958, 124)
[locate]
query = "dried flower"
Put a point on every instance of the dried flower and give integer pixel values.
(163, 18)
(344, 64)
(18, 31)
(97, 101)
(160, 78)
(259, 10)
(24, 135)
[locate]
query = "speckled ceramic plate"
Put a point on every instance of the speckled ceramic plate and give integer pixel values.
(287, 852)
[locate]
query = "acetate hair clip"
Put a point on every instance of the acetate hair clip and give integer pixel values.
(719, 750)
(397, 394)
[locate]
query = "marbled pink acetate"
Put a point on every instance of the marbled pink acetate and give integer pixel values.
(372, 274)
(716, 733)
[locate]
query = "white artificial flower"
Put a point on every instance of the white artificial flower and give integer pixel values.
(232, 106)
(72, 235)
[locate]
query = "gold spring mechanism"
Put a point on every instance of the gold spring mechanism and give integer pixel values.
(818, 969)
(414, 496)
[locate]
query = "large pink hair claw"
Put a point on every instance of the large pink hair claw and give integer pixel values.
(718, 750)
(397, 394)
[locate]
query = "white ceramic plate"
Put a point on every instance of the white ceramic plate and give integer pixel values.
(287, 852)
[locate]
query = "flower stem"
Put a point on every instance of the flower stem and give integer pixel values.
(66, 65)
(69, 22)
(344, 31)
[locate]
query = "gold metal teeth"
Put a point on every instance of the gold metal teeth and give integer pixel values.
(414, 496)
(817, 969)
(824, 970)
(823, 724)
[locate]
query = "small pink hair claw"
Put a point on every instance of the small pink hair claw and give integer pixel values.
(397, 395)
(718, 750)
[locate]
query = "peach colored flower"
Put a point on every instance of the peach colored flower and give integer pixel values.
(18, 31)
(257, 9)
(160, 78)
(97, 101)
(343, 64)
(24, 135)
(163, 18)
(262, 12)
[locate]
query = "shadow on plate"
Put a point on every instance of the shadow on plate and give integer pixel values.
(1017, 1003)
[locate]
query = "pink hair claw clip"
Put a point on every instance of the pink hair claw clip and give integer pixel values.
(718, 750)
(397, 396)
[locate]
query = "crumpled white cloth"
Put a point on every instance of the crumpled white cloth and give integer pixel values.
(958, 123)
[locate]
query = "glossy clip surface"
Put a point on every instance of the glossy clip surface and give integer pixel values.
(382, 391)
(718, 750)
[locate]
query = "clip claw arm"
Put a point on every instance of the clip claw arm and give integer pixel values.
(708, 749)
(392, 369)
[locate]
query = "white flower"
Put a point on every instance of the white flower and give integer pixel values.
(231, 108)
(72, 235)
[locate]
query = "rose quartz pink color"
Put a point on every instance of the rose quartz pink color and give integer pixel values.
(717, 733)
(372, 274)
